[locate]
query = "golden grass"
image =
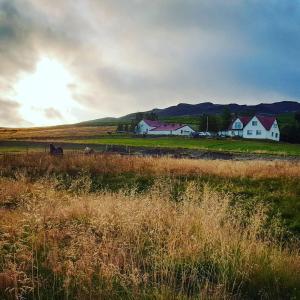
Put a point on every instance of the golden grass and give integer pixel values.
(44, 133)
(124, 245)
(117, 164)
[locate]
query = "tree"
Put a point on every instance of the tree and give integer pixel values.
(139, 117)
(297, 117)
(225, 118)
(126, 127)
(290, 133)
(213, 124)
(202, 122)
(133, 125)
(120, 127)
(152, 116)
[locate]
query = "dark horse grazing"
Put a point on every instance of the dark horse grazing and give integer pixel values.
(56, 151)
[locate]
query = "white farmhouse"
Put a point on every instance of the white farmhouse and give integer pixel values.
(159, 128)
(257, 127)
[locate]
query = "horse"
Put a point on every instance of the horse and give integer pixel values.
(56, 151)
(88, 151)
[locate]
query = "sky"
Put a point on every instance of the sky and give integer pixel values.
(72, 60)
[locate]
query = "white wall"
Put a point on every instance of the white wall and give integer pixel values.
(250, 130)
(274, 133)
(237, 124)
(143, 127)
(186, 130)
(237, 129)
(183, 131)
(265, 134)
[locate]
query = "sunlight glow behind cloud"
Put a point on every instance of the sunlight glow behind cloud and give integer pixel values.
(65, 61)
(47, 89)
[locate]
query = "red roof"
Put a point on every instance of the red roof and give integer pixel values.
(245, 120)
(160, 126)
(266, 121)
(153, 123)
(168, 127)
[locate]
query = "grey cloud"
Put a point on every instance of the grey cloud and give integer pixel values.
(9, 114)
(134, 55)
(52, 113)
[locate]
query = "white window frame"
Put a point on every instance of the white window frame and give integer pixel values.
(254, 123)
(258, 132)
(249, 132)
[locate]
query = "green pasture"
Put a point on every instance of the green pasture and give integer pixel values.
(226, 145)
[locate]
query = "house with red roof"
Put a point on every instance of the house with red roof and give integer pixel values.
(160, 128)
(256, 127)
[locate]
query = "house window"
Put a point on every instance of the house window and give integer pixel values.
(254, 123)
(249, 132)
(272, 133)
(276, 135)
(238, 125)
(258, 132)
(275, 126)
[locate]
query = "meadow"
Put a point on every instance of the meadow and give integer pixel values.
(48, 133)
(106, 135)
(120, 227)
(206, 144)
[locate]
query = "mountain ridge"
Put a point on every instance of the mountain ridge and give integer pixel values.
(187, 109)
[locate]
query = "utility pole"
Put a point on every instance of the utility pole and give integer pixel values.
(206, 123)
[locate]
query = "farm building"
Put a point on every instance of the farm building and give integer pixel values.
(256, 127)
(160, 128)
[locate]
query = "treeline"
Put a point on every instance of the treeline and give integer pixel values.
(215, 123)
(291, 132)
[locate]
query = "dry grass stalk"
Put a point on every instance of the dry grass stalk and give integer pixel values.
(117, 164)
(129, 245)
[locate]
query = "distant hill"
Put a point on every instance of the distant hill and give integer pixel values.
(185, 109)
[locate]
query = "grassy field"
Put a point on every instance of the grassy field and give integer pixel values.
(105, 135)
(46, 133)
(115, 227)
(204, 144)
(228, 145)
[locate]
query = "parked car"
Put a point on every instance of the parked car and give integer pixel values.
(200, 134)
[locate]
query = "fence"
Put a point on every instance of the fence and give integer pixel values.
(123, 150)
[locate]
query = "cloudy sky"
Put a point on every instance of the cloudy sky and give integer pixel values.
(72, 60)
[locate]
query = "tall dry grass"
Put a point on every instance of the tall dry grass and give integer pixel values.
(117, 164)
(78, 245)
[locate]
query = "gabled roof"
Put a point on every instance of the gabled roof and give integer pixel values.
(245, 120)
(266, 121)
(168, 127)
(152, 123)
(160, 126)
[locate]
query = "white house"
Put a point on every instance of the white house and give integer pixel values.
(257, 127)
(159, 128)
